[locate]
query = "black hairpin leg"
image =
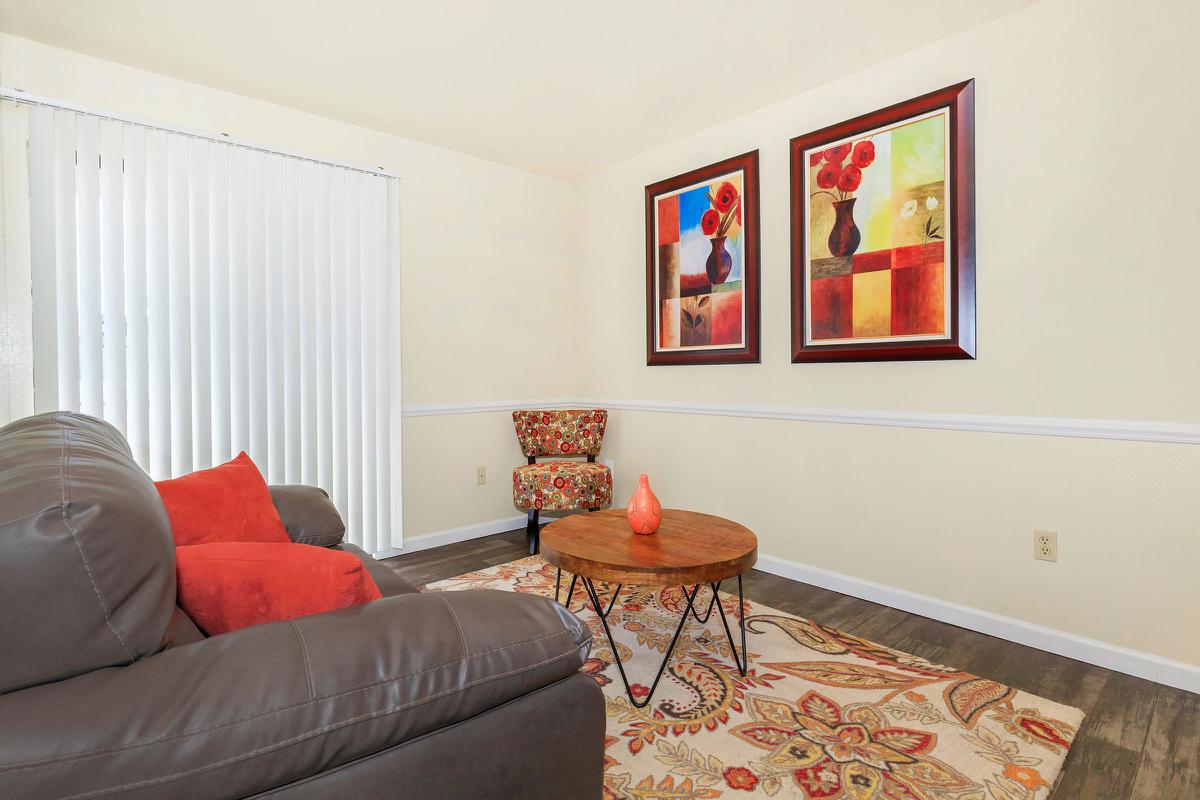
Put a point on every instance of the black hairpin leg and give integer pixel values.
(570, 591)
(531, 531)
(743, 662)
(712, 602)
(591, 590)
(689, 610)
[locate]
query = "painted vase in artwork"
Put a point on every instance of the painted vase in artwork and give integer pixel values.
(719, 261)
(644, 512)
(845, 236)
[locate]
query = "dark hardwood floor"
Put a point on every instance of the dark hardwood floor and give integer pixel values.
(1139, 741)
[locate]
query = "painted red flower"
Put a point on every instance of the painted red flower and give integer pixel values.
(864, 154)
(725, 196)
(639, 691)
(828, 174)
(834, 155)
(850, 178)
(709, 222)
(741, 778)
(815, 157)
(560, 482)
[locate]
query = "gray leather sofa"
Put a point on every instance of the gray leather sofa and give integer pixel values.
(108, 690)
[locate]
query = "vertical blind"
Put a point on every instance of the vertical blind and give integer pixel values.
(208, 297)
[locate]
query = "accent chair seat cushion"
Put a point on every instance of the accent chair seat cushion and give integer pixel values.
(562, 485)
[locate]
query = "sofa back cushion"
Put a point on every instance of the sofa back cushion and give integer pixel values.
(87, 567)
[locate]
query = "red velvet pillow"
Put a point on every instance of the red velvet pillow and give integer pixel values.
(224, 586)
(229, 503)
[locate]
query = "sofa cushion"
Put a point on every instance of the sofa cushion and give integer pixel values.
(389, 582)
(87, 565)
(271, 704)
(224, 586)
(308, 515)
(228, 503)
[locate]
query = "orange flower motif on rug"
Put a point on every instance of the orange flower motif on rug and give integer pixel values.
(819, 715)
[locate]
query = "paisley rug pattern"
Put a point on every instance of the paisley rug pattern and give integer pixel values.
(819, 714)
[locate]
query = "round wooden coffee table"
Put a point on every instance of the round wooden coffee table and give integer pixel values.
(688, 549)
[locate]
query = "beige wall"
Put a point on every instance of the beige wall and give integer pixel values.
(1087, 287)
(484, 253)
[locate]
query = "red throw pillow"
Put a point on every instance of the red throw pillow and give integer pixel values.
(224, 586)
(229, 503)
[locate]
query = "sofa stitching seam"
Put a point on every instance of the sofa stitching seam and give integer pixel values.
(312, 690)
(314, 732)
(294, 706)
(461, 636)
(70, 526)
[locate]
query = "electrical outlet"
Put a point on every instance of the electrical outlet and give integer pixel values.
(1045, 545)
(480, 476)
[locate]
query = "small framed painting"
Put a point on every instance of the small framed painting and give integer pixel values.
(883, 238)
(702, 265)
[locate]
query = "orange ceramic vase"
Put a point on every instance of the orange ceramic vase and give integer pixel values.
(644, 511)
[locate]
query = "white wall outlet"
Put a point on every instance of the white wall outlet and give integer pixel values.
(1045, 545)
(480, 476)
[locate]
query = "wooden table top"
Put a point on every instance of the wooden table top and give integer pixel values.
(688, 548)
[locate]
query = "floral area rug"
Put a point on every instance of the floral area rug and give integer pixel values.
(819, 714)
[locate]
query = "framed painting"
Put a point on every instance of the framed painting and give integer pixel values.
(883, 238)
(702, 265)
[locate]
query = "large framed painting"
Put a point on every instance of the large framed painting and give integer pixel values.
(702, 265)
(883, 239)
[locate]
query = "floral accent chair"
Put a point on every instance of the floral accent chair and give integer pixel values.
(560, 484)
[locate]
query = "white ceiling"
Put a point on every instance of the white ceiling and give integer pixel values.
(557, 86)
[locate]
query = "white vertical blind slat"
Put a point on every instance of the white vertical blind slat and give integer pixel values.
(88, 265)
(43, 259)
(307, 289)
(393, 339)
(16, 272)
(272, 306)
(383, 361)
(353, 382)
(289, 295)
(239, 291)
(207, 298)
(112, 270)
(137, 354)
(322, 299)
(158, 309)
(65, 258)
(179, 283)
(337, 336)
(218, 281)
(369, 369)
(201, 307)
(256, 294)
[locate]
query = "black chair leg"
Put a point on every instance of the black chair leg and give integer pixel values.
(531, 531)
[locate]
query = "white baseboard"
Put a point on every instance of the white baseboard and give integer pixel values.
(1121, 659)
(1110, 656)
(453, 536)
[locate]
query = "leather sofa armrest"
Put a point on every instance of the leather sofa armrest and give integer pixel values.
(308, 515)
(264, 706)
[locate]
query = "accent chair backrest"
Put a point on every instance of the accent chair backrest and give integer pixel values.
(560, 432)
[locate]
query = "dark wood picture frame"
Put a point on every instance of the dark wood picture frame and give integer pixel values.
(960, 187)
(747, 163)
